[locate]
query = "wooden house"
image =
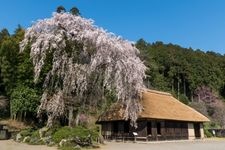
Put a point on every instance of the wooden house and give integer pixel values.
(163, 118)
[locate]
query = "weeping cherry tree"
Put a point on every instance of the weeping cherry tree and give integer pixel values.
(79, 50)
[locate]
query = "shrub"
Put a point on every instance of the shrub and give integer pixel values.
(51, 131)
(35, 138)
(67, 132)
(210, 125)
(26, 132)
(62, 133)
(24, 100)
(35, 134)
(207, 133)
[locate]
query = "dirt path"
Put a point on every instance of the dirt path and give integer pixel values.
(11, 145)
(177, 145)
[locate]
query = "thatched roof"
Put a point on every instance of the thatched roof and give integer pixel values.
(157, 105)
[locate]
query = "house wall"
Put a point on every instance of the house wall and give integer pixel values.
(195, 131)
(160, 130)
(191, 132)
(115, 130)
(175, 130)
(202, 131)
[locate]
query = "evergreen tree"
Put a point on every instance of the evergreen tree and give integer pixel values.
(60, 9)
(75, 11)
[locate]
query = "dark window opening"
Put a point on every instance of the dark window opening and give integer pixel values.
(115, 127)
(197, 130)
(184, 125)
(149, 128)
(158, 125)
(126, 126)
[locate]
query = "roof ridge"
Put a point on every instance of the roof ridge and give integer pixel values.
(157, 92)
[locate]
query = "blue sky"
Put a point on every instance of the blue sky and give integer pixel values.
(189, 23)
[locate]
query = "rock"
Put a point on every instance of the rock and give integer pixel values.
(42, 132)
(62, 142)
(77, 147)
(87, 141)
(47, 140)
(19, 137)
(33, 141)
(40, 142)
(51, 143)
(36, 141)
(67, 142)
(26, 139)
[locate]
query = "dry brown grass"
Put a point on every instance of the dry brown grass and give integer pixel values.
(14, 124)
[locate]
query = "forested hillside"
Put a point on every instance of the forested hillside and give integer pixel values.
(195, 77)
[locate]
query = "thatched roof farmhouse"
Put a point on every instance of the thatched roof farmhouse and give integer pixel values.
(163, 118)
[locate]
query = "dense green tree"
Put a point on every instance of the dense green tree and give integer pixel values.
(4, 34)
(24, 101)
(9, 51)
(75, 11)
(60, 9)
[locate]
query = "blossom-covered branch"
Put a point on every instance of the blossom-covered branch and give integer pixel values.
(79, 49)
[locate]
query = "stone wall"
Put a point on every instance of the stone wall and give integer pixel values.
(4, 134)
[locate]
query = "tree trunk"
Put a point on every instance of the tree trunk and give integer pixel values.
(70, 121)
(20, 116)
(178, 88)
(103, 96)
(24, 116)
(172, 86)
(77, 120)
(192, 99)
(13, 116)
(184, 87)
